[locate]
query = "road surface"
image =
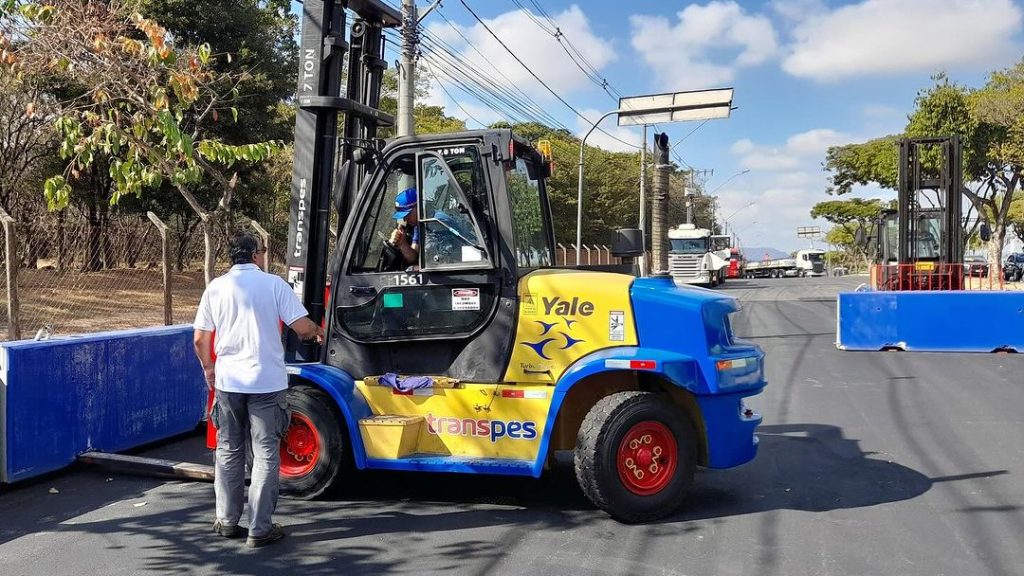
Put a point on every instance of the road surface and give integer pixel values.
(870, 463)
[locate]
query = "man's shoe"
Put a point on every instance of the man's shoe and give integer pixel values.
(226, 530)
(275, 534)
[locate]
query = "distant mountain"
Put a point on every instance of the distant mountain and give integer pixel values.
(758, 252)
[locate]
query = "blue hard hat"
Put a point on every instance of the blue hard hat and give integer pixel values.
(405, 202)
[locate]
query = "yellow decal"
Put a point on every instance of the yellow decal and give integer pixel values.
(481, 420)
(924, 266)
(564, 315)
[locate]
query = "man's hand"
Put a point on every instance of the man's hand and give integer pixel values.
(211, 377)
(308, 330)
(398, 238)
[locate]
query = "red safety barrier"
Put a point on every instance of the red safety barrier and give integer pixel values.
(925, 276)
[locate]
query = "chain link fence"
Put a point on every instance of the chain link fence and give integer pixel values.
(76, 274)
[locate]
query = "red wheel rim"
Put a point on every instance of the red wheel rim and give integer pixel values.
(647, 458)
(300, 447)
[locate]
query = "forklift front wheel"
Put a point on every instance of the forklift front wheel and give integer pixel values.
(635, 456)
(312, 449)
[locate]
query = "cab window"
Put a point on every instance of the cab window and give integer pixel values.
(370, 252)
(451, 236)
(528, 222)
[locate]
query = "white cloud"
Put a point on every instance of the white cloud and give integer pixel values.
(797, 9)
(706, 46)
(898, 36)
(785, 181)
(535, 47)
(613, 138)
(791, 155)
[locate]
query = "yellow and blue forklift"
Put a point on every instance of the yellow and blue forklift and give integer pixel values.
(480, 356)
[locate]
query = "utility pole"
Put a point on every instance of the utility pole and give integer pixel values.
(407, 69)
(659, 205)
(643, 199)
(687, 193)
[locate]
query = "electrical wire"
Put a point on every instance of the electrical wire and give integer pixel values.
(538, 79)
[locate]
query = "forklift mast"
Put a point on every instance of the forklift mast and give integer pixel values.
(326, 52)
(930, 164)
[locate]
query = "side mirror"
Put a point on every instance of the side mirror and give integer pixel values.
(985, 232)
(361, 156)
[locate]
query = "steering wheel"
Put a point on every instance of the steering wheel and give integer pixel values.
(391, 259)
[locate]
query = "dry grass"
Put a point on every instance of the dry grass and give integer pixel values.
(99, 301)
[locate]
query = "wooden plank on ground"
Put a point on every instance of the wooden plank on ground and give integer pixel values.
(148, 466)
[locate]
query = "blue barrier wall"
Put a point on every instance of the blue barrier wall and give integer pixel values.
(110, 392)
(931, 321)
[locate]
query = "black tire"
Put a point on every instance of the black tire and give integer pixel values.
(597, 449)
(317, 408)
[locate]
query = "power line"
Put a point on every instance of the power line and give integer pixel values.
(522, 96)
(581, 62)
(445, 90)
(537, 78)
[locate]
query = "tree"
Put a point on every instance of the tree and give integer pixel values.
(146, 105)
(849, 216)
(27, 148)
(1016, 217)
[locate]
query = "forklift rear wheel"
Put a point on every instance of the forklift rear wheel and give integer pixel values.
(635, 456)
(312, 449)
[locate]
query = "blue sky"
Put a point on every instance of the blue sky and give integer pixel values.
(807, 74)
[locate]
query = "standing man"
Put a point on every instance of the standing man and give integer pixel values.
(245, 308)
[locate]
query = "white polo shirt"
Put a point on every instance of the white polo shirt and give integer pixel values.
(245, 307)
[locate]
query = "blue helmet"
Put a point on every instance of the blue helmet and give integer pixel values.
(405, 202)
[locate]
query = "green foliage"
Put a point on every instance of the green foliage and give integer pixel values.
(873, 162)
(145, 119)
(844, 212)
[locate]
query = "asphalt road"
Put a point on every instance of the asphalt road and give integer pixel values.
(870, 463)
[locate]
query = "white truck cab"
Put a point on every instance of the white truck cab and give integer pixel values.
(810, 262)
(691, 259)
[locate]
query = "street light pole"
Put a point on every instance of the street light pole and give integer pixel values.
(579, 188)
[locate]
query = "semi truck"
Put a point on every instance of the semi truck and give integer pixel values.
(809, 262)
(694, 256)
(482, 357)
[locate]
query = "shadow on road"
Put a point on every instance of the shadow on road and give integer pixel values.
(808, 467)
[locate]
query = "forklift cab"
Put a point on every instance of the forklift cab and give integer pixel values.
(483, 222)
(926, 244)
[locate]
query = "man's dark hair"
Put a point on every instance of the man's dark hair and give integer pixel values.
(242, 247)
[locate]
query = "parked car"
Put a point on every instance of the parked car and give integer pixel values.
(1013, 268)
(975, 266)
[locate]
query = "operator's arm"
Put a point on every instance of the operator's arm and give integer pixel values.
(294, 314)
(203, 343)
(308, 330)
(401, 241)
(202, 338)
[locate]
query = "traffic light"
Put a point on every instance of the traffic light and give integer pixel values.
(661, 148)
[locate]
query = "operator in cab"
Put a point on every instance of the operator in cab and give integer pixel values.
(406, 236)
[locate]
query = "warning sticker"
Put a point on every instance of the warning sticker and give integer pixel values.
(465, 299)
(296, 277)
(616, 326)
(529, 305)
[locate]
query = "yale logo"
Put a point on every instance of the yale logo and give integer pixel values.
(560, 307)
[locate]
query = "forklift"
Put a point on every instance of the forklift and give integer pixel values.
(920, 244)
(478, 355)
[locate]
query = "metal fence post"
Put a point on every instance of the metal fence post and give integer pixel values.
(165, 252)
(565, 256)
(11, 262)
(587, 248)
(265, 238)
